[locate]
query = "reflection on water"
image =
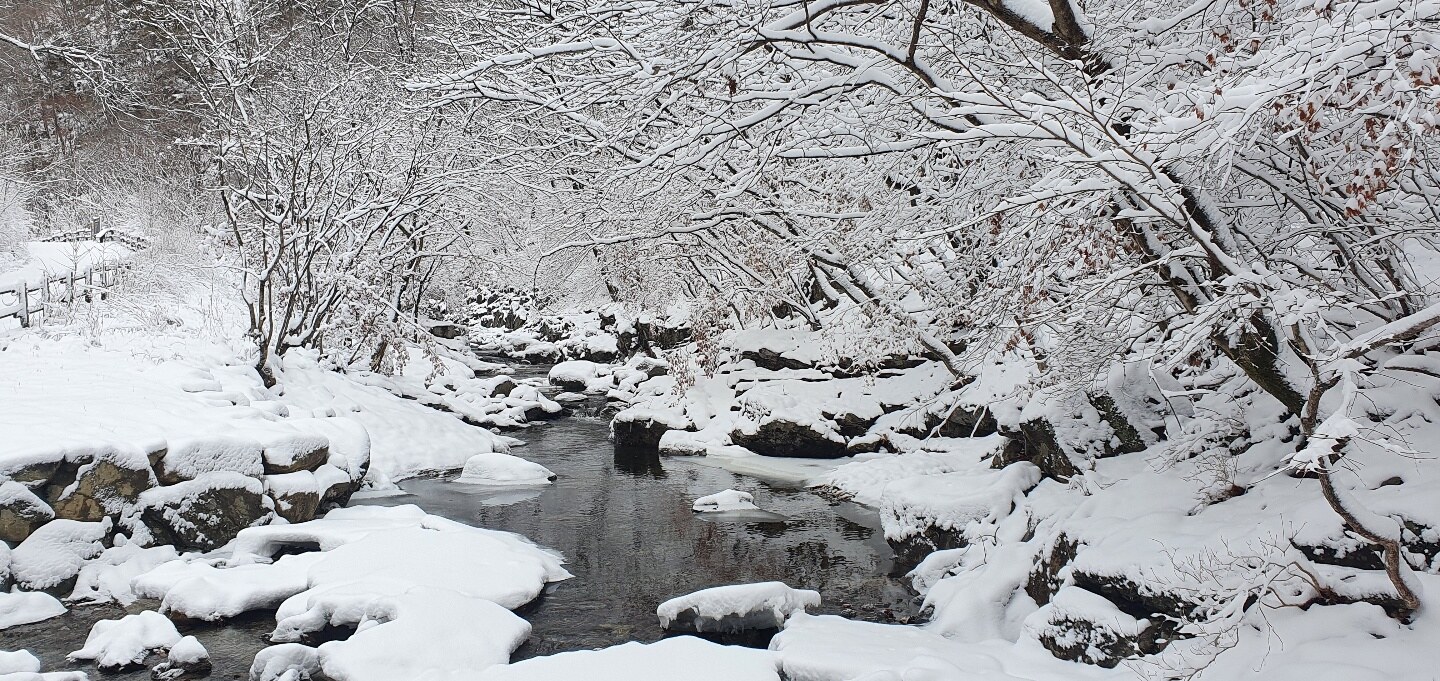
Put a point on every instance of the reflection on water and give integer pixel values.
(624, 523)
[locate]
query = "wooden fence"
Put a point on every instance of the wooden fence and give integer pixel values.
(25, 300)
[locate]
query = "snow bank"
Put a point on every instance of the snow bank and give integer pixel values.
(864, 481)
(20, 661)
(681, 657)
(951, 501)
(735, 608)
(728, 500)
(503, 469)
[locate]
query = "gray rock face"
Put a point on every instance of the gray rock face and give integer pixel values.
(778, 437)
(640, 434)
(204, 513)
(447, 331)
(21, 512)
(103, 487)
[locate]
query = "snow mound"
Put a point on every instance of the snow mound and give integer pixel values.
(54, 554)
(681, 657)
(503, 469)
(728, 500)
(393, 629)
(864, 481)
(735, 608)
(199, 590)
(19, 662)
(22, 607)
(109, 576)
(950, 501)
(126, 642)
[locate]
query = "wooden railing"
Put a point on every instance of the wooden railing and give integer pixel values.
(25, 300)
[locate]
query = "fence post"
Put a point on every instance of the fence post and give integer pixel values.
(70, 286)
(89, 283)
(24, 305)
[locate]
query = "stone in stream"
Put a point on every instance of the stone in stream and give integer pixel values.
(186, 659)
(735, 608)
(780, 437)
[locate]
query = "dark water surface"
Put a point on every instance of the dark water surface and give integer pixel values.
(624, 524)
(625, 527)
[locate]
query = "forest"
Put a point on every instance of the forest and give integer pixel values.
(815, 340)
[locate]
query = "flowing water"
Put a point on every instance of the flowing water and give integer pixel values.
(624, 524)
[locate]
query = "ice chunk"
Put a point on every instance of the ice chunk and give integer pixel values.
(503, 469)
(728, 500)
(125, 643)
(735, 608)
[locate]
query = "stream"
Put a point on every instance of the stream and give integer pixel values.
(624, 524)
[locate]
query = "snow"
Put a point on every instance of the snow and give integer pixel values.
(56, 551)
(187, 651)
(190, 457)
(414, 635)
(202, 591)
(728, 500)
(734, 607)
(503, 469)
(680, 657)
(18, 661)
(109, 576)
(24, 607)
(58, 258)
(952, 501)
(864, 481)
(126, 642)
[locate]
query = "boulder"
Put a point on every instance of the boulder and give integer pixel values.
(296, 495)
(205, 513)
(642, 429)
(51, 557)
(777, 436)
(735, 608)
(189, 458)
(765, 358)
(1080, 626)
(447, 331)
(1035, 441)
(21, 512)
(106, 486)
(295, 453)
(335, 485)
(187, 659)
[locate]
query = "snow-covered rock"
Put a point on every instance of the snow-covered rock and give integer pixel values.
(424, 633)
(574, 375)
(206, 512)
(19, 662)
(728, 500)
(295, 453)
(925, 513)
(1084, 627)
(121, 644)
(680, 657)
(25, 607)
(288, 661)
(108, 577)
(790, 435)
(503, 469)
(21, 512)
(641, 428)
(296, 495)
(190, 457)
(735, 608)
(198, 590)
(112, 478)
(54, 554)
(187, 658)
